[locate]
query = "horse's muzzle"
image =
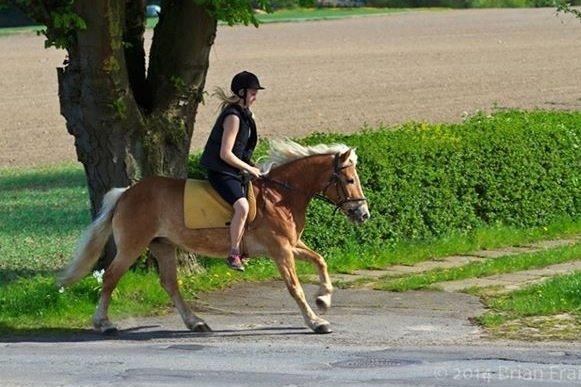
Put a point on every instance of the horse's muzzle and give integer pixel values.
(359, 215)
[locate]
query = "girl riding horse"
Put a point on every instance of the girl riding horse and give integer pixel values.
(228, 153)
(151, 214)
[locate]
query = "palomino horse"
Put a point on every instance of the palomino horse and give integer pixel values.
(150, 214)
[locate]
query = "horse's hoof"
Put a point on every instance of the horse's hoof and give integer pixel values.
(109, 331)
(105, 327)
(201, 327)
(322, 305)
(323, 329)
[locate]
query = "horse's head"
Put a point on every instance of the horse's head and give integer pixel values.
(344, 188)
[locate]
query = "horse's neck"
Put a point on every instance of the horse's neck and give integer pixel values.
(301, 179)
(305, 176)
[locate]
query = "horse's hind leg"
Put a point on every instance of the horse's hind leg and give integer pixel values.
(124, 258)
(323, 300)
(165, 254)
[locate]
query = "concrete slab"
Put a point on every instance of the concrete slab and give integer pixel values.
(376, 273)
(492, 254)
(551, 244)
(510, 281)
(456, 286)
(453, 261)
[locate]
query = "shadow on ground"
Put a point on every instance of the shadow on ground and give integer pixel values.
(139, 333)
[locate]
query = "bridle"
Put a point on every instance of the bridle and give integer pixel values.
(336, 179)
(340, 185)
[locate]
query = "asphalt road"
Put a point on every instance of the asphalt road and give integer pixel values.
(380, 338)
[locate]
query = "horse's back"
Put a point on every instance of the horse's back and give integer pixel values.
(151, 198)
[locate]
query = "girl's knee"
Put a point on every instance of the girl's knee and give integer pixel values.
(241, 206)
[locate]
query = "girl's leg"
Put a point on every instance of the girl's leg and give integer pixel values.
(241, 209)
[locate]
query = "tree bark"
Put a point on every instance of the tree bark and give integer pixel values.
(98, 104)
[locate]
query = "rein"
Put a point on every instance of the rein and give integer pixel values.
(336, 179)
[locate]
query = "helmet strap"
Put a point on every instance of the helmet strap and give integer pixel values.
(244, 98)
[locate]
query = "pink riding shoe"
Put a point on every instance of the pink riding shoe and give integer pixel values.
(235, 262)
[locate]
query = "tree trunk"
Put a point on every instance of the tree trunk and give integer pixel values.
(127, 126)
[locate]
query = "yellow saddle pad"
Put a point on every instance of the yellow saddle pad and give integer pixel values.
(204, 208)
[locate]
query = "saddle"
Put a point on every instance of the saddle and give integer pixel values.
(204, 208)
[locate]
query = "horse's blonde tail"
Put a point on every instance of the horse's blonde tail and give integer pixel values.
(92, 241)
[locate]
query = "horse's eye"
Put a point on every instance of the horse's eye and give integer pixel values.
(350, 181)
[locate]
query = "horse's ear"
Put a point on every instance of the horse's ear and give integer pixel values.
(345, 156)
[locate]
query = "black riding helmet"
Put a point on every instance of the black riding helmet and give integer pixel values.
(243, 81)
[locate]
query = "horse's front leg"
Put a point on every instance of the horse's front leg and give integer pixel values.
(323, 300)
(286, 265)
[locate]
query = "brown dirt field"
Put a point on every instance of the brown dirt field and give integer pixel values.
(334, 75)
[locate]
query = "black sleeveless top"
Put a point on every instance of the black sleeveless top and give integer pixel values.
(244, 144)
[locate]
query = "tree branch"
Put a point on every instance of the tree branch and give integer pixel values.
(101, 51)
(179, 57)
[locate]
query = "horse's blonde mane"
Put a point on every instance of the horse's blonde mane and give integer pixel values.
(284, 151)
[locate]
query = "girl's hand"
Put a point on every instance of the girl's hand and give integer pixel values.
(254, 171)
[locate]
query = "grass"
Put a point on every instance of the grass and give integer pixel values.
(549, 310)
(506, 264)
(36, 302)
(280, 16)
(42, 212)
(412, 252)
(559, 294)
(327, 12)
(27, 304)
(306, 14)
(7, 31)
(313, 14)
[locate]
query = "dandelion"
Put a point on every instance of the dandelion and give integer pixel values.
(98, 275)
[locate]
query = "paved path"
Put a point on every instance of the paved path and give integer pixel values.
(511, 281)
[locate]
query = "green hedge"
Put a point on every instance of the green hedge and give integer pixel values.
(425, 180)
